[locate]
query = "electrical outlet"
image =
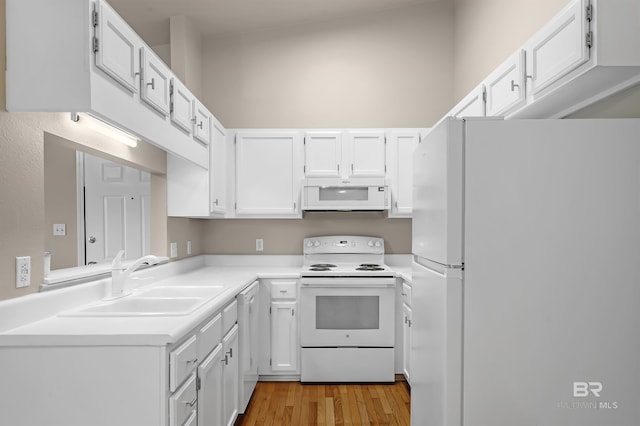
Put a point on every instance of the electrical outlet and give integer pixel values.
(188, 246)
(259, 244)
(59, 229)
(23, 271)
(173, 249)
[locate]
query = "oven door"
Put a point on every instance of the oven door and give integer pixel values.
(347, 312)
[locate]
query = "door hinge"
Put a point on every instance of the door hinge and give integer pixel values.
(293, 311)
(94, 17)
(304, 169)
(198, 383)
(96, 44)
(270, 362)
(484, 94)
(171, 107)
(235, 139)
(269, 310)
(589, 39)
(589, 13)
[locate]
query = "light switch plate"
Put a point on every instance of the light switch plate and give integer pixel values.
(174, 249)
(188, 246)
(259, 244)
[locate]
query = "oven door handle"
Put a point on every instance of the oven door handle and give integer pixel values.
(349, 286)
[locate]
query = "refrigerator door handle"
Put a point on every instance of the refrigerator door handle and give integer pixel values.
(445, 271)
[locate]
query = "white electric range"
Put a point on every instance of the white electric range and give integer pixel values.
(347, 305)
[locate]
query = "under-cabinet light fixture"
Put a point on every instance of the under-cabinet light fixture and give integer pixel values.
(105, 128)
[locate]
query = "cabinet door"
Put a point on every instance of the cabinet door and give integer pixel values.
(268, 174)
(155, 87)
(210, 373)
(560, 47)
(506, 87)
(116, 48)
(201, 122)
(367, 155)
(218, 170)
(231, 376)
(406, 342)
(322, 154)
(472, 105)
(401, 148)
(181, 106)
(284, 336)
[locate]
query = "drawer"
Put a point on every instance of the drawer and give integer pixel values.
(284, 289)
(182, 361)
(406, 293)
(209, 336)
(184, 403)
(229, 316)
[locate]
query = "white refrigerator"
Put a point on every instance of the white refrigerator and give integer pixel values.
(526, 274)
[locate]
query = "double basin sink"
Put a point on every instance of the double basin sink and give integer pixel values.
(167, 300)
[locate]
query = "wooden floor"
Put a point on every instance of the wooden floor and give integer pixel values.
(293, 403)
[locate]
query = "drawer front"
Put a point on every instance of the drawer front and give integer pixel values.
(209, 336)
(284, 289)
(229, 316)
(183, 405)
(406, 293)
(182, 361)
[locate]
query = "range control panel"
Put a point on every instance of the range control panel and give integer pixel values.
(343, 244)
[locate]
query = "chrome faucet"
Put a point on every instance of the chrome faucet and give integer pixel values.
(119, 274)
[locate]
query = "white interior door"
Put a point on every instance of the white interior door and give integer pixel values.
(117, 210)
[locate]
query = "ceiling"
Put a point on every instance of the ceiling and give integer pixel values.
(150, 18)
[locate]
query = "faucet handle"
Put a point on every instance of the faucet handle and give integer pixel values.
(117, 261)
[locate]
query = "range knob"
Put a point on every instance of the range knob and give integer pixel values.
(309, 244)
(370, 243)
(316, 243)
(378, 245)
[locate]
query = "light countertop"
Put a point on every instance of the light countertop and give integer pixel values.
(51, 328)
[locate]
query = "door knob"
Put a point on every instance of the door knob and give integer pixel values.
(92, 239)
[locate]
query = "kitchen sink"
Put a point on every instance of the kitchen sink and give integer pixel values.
(181, 291)
(140, 306)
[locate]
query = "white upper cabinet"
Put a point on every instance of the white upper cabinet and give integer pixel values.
(472, 105)
(268, 174)
(367, 154)
(218, 169)
(81, 56)
(116, 47)
(201, 122)
(322, 154)
(155, 85)
(181, 106)
(562, 47)
(505, 87)
(400, 171)
(585, 53)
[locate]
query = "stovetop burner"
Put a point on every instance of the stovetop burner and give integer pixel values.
(369, 268)
(321, 268)
(322, 265)
(370, 265)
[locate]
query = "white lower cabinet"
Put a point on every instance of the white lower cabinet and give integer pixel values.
(193, 381)
(406, 331)
(210, 375)
(230, 376)
(280, 341)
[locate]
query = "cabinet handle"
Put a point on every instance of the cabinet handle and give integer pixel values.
(351, 168)
(230, 352)
(225, 360)
(216, 202)
(200, 125)
(152, 84)
(409, 321)
(406, 319)
(338, 168)
(514, 85)
(192, 361)
(192, 403)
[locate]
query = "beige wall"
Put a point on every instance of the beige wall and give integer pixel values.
(186, 53)
(390, 69)
(284, 236)
(60, 202)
